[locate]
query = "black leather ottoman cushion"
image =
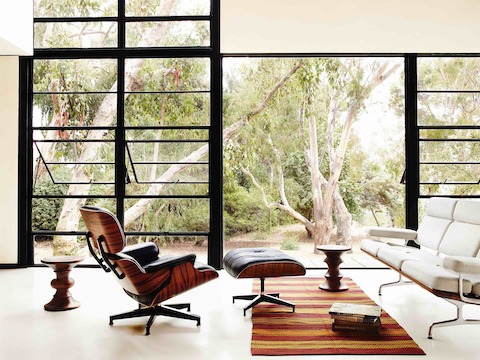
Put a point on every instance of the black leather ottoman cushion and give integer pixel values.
(261, 263)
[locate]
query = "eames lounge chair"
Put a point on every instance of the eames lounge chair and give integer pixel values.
(144, 276)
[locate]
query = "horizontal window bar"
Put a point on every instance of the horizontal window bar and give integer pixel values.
(169, 127)
(72, 92)
(74, 19)
(135, 53)
(170, 92)
(74, 196)
(449, 163)
(169, 162)
(84, 182)
(53, 232)
(196, 127)
(449, 127)
(116, 18)
(72, 141)
(167, 196)
(168, 141)
(450, 196)
(173, 182)
(449, 140)
(167, 233)
(450, 91)
(78, 163)
(449, 183)
(126, 196)
(66, 128)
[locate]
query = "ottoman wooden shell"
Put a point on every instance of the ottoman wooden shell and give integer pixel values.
(261, 263)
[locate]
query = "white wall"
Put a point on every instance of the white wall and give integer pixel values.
(8, 159)
(16, 27)
(350, 26)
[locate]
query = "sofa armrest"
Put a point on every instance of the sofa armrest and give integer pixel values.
(462, 264)
(396, 233)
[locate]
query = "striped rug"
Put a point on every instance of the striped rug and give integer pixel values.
(308, 331)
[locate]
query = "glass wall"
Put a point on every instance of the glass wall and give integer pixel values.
(449, 125)
(125, 104)
(299, 126)
(121, 118)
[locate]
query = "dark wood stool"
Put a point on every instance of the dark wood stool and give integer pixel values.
(62, 265)
(333, 277)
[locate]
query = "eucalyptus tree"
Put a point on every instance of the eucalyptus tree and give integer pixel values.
(314, 114)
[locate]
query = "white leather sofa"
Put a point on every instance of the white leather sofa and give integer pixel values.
(448, 261)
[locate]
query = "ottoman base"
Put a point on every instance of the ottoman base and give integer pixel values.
(262, 297)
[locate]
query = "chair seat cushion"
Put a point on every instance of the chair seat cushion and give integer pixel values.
(261, 263)
(144, 253)
(168, 261)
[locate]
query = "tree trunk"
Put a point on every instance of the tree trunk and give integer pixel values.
(336, 161)
(344, 221)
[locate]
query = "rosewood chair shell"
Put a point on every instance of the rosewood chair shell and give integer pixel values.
(145, 276)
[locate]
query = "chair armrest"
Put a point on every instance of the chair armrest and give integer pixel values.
(169, 262)
(395, 233)
(144, 253)
(462, 264)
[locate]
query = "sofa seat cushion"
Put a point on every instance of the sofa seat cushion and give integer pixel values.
(395, 256)
(434, 276)
(372, 246)
(475, 286)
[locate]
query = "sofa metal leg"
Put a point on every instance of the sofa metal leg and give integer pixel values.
(459, 320)
(400, 281)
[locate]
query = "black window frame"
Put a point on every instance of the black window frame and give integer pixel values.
(212, 52)
(121, 53)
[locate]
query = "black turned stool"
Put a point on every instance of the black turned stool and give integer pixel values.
(261, 263)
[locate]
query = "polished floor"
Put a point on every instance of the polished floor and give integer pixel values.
(29, 332)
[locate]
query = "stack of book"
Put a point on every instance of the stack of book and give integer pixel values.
(355, 317)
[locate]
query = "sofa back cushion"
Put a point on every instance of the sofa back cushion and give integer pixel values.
(463, 235)
(434, 225)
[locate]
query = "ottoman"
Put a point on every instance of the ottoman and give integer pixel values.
(261, 263)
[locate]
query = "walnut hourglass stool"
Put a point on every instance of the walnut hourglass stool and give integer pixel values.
(62, 265)
(333, 277)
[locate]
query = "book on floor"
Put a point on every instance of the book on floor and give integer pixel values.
(355, 319)
(367, 313)
(340, 325)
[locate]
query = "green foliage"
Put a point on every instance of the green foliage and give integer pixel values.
(45, 212)
(290, 244)
(243, 209)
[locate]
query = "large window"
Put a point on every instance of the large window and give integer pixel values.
(121, 117)
(449, 125)
(298, 125)
(127, 108)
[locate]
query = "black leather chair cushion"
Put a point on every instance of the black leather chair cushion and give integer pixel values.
(144, 253)
(169, 262)
(261, 262)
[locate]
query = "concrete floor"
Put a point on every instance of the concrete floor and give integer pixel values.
(27, 331)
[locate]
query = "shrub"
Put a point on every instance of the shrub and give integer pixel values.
(290, 244)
